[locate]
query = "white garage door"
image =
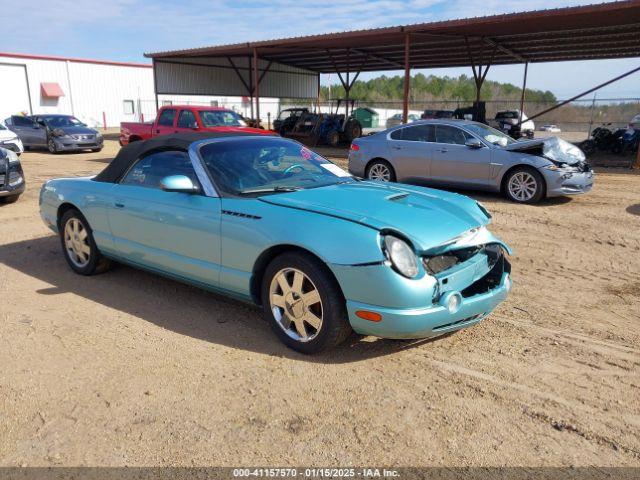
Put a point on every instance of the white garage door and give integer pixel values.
(14, 95)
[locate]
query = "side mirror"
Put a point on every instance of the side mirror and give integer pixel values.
(474, 143)
(178, 183)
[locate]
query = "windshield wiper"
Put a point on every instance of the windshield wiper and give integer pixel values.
(269, 189)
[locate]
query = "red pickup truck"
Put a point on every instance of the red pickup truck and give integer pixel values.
(186, 118)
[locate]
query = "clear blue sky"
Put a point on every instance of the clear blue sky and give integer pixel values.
(125, 29)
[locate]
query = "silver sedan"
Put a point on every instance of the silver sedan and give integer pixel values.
(471, 155)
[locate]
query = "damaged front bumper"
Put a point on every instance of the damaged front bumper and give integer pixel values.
(568, 183)
(456, 297)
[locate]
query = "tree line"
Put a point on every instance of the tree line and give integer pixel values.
(431, 88)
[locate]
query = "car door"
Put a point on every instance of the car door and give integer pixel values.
(173, 232)
(186, 121)
(454, 163)
(410, 149)
(166, 122)
(31, 133)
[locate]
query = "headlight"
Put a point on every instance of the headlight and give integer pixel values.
(401, 255)
(98, 135)
(58, 132)
(561, 168)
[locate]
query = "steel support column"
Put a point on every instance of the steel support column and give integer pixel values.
(155, 83)
(524, 87)
(407, 79)
(256, 85)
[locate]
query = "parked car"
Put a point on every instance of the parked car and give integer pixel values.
(635, 123)
(12, 182)
(428, 114)
(507, 122)
(268, 221)
(287, 118)
(10, 140)
(186, 118)
(57, 133)
(466, 154)
(397, 119)
(549, 127)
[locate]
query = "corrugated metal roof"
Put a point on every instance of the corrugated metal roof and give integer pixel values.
(599, 31)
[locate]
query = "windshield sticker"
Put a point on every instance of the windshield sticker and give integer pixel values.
(305, 153)
(336, 170)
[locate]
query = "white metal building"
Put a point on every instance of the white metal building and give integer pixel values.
(97, 92)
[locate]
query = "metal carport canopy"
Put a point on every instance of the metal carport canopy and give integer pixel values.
(602, 31)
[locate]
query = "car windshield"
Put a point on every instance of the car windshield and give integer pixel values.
(257, 166)
(221, 118)
(58, 121)
(489, 134)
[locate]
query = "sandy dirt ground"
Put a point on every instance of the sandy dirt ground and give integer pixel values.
(128, 368)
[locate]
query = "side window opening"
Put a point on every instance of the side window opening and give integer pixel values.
(166, 117)
(451, 135)
(186, 119)
(149, 171)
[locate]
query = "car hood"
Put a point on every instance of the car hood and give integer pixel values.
(427, 217)
(77, 130)
(553, 148)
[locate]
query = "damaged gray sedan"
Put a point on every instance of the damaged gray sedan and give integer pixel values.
(471, 155)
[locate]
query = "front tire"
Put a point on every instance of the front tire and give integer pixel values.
(51, 146)
(304, 304)
(96, 150)
(78, 245)
(381, 170)
(524, 185)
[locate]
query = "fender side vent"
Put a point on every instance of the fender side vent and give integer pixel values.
(240, 215)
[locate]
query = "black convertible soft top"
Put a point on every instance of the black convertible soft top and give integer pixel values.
(178, 141)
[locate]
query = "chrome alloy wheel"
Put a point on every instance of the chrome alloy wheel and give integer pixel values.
(296, 305)
(523, 186)
(76, 242)
(380, 172)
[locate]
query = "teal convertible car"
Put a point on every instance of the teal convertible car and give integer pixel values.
(267, 220)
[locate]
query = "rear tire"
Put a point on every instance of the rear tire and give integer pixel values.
(380, 170)
(78, 245)
(353, 130)
(296, 287)
(524, 185)
(333, 138)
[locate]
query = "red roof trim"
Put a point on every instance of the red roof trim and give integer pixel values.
(51, 90)
(75, 60)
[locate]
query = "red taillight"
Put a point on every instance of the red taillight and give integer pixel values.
(355, 147)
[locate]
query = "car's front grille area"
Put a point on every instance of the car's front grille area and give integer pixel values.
(491, 280)
(83, 137)
(441, 263)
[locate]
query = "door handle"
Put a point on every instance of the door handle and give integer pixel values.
(119, 205)
(443, 150)
(396, 147)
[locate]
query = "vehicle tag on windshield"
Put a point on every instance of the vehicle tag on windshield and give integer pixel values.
(336, 170)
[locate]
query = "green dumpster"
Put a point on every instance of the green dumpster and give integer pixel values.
(367, 117)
